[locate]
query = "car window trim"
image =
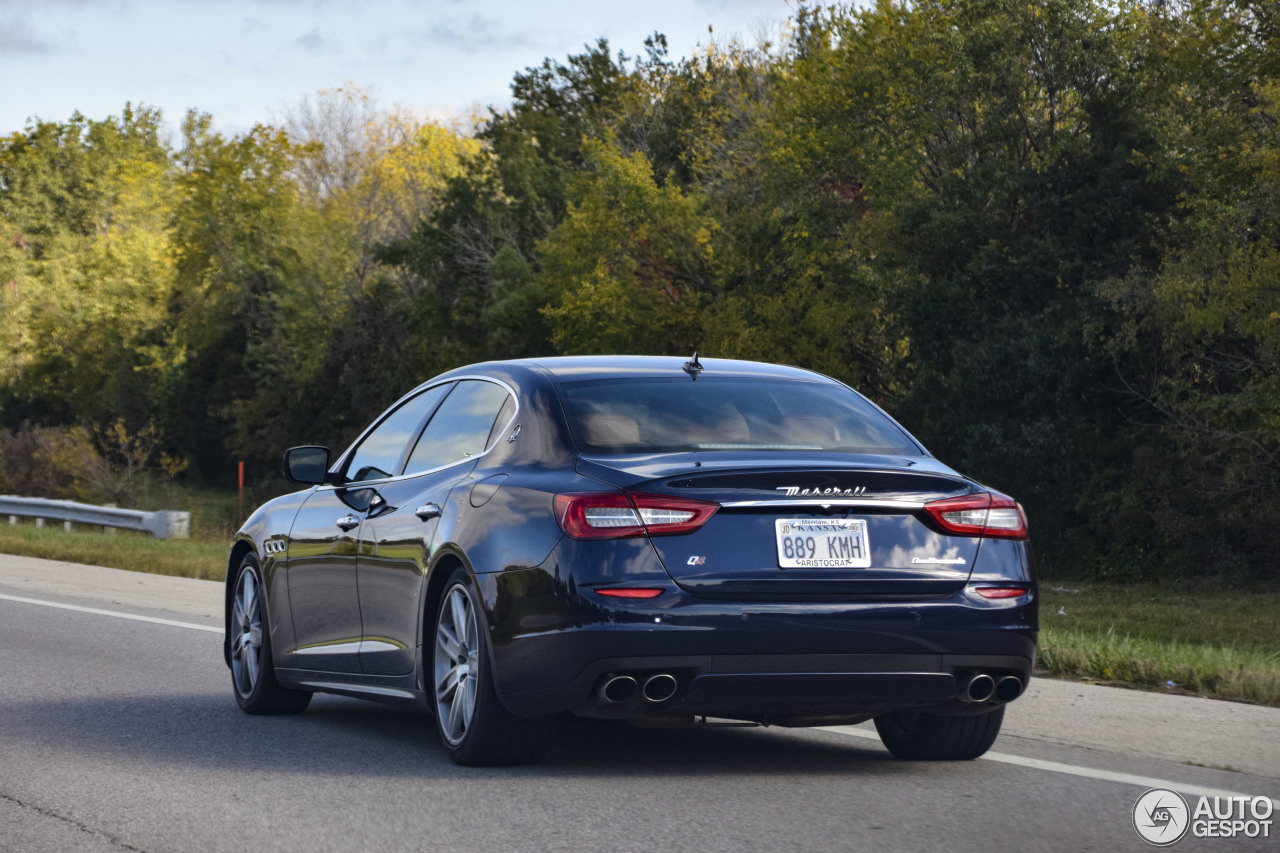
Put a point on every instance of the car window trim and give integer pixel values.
(408, 456)
(494, 433)
(342, 464)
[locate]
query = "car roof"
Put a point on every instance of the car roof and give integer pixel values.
(573, 368)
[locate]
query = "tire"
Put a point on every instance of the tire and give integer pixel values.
(253, 675)
(474, 727)
(921, 736)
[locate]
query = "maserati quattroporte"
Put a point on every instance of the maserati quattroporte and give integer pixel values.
(653, 539)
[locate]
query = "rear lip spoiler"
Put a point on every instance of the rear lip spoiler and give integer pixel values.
(869, 502)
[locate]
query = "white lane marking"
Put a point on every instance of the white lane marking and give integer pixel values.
(1001, 757)
(115, 613)
(1074, 770)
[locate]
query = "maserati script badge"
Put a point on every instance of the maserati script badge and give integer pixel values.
(797, 492)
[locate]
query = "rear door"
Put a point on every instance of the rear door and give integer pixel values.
(398, 539)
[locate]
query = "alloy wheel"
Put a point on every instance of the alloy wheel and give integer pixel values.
(246, 644)
(456, 659)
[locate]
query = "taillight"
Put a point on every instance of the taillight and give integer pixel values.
(991, 515)
(614, 515)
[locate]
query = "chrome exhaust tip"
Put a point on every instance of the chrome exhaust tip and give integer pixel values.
(616, 688)
(1008, 688)
(660, 687)
(977, 688)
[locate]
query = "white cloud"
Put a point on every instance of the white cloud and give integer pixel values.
(26, 5)
(477, 34)
(314, 42)
(16, 37)
(781, 8)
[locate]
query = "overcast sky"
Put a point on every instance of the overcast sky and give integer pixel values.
(244, 61)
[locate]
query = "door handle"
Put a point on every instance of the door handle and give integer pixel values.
(347, 522)
(426, 512)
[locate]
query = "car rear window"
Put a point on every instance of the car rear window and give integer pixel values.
(619, 416)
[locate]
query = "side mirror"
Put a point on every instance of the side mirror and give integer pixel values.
(309, 465)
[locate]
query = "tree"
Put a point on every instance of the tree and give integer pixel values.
(1196, 346)
(630, 266)
(86, 268)
(259, 282)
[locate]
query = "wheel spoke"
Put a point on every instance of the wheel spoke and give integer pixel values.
(468, 701)
(467, 630)
(458, 606)
(449, 684)
(242, 674)
(237, 644)
(456, 712)
(255, 634)
(448, 640)
(251, 665)
(250, 596)
(237, 615)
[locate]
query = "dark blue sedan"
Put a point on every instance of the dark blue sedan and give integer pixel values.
(640, 538)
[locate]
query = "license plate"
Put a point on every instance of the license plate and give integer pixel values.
(823, 543)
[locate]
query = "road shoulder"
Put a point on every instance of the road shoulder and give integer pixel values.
(113, 586)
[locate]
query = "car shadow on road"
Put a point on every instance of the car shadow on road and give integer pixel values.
(349, 736)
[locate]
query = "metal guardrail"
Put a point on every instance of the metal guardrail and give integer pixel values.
(165, 524)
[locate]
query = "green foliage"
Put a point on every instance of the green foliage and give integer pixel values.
(514, 320)
(112, 466)
(85, 266)
(1044, 233)
(630, 263)
(256, 272)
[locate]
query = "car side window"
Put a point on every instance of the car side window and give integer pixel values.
(379, 455)
(461, 426)
(504, 414)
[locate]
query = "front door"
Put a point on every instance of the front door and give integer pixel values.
(323, 597)
(324, 594)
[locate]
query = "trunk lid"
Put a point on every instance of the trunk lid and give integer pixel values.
(739, 553)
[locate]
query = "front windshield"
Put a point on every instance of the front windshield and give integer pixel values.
(670, 415)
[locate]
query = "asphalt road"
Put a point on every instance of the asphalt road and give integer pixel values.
(118, 734)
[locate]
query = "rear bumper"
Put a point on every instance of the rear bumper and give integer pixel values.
(749, 688)
(765, 660)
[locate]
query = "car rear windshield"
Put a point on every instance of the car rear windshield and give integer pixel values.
(668, 415)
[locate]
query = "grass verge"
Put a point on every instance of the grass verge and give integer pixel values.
(188, 558)
(1206, 641)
